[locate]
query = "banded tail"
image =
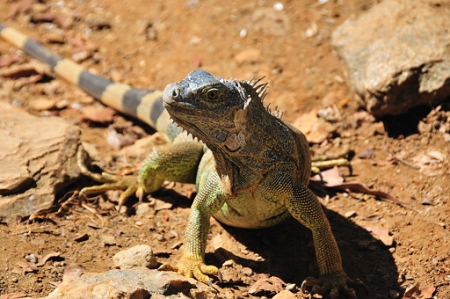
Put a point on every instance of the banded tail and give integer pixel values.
(145, 105)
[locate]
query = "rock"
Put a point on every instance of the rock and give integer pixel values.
(387, 240)
(107, 240)
(397, 54)
(284, 295)
(137, 256)
(41, 104)
(131, 283)
(37, 158)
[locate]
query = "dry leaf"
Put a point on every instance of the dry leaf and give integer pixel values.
(414, 292)
(14, 296)
(99, 115)
(19, 7)
(47, 257)
(9, 59)
(305, 122)
(265, 284)
(331, 178)
(377, 230)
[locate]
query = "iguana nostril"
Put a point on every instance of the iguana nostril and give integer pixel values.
(175, 93)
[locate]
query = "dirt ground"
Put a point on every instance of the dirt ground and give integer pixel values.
(149, 44)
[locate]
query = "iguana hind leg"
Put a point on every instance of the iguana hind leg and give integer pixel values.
(178, 163)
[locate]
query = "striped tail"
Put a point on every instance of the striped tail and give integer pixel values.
(145, 105)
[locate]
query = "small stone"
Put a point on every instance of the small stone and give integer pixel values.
(97, 22)
(108, 240)
(423, 127)
(61, 104)
(137, 256)
(41, 104)
(350, 214)
(31, 258)
(284, 294)
(278, 6)
(387, 240)
(291, 287)
(81, 56)
(246, 271)
(446, 137)
(55, 38)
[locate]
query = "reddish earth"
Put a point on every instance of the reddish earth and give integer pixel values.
(292, 49)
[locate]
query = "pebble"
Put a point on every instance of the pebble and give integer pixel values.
(387, 240)
(31, 258)
(291, 287)
(108, 240)
(447, 137)
(41, 104)
(137, 256)
(284, 294)
(278, 6)
(350, 214)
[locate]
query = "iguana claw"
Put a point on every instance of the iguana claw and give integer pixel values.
(129, 184)
(192, 268)
(334, 284)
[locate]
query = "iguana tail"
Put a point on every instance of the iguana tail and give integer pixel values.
(146, 105)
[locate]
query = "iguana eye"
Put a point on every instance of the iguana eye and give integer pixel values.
(213, 94)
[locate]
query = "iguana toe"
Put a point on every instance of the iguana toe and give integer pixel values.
(334, 284)
(192, 268)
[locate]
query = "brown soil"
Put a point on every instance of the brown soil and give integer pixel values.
(304, 73)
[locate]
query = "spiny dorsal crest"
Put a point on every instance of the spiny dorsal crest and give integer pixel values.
(253, 91)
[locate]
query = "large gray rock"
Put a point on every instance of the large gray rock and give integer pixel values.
(136, 283)
(37, 160)
(398, 54)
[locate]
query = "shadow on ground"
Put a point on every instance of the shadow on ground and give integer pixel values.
(288, 253)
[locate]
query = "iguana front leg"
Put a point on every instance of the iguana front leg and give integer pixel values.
(208, 201)
(305, 207)
(178, 163)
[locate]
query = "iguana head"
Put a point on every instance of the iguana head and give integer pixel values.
(215, 110)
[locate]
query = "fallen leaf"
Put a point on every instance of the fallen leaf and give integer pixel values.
(427, 292)
(161, 205)
(47, 257)
(377, 230)
(9, 59)
(374, 217)
(366, 154)
(414, 292)
(304, 122)
(19, 7)
(271, 284)
(331, 178)
(99, 115)
(27, 267)
(14, 296)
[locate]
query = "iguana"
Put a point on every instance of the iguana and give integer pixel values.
(251, 169)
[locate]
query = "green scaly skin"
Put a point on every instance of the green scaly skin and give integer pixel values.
(252, 173)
